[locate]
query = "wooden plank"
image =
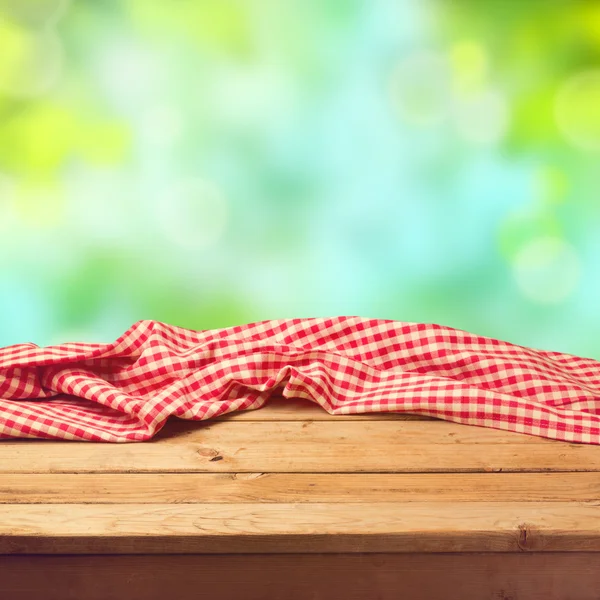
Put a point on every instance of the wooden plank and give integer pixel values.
(298, 409)
(286, 432)
(533, 576)
(284, 528)
(187, 488)
(311, 446)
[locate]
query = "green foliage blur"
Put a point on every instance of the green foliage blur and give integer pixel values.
(215, 162)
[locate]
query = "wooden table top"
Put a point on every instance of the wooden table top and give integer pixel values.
(290, 478)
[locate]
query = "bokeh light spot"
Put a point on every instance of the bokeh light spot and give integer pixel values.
(482, 117)
(469, 65)
(547, 270)
(130, 73)
(577, 110)
(193, 214)
(521, 228)
(420, 88)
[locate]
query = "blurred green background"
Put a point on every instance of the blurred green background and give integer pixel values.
(215, 162)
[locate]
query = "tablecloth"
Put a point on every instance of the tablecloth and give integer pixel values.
(126, 390)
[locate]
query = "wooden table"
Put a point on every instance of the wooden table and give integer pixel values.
(289, 502)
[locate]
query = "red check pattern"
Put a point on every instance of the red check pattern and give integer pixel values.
(125, 391)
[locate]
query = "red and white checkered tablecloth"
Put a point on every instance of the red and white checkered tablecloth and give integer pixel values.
(125, 391)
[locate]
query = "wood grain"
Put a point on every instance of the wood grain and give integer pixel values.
(305, 447)
(532, 576)
(285, 528)
(186, 488)
(339, 431)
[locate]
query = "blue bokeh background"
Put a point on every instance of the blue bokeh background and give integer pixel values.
(224, 161)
